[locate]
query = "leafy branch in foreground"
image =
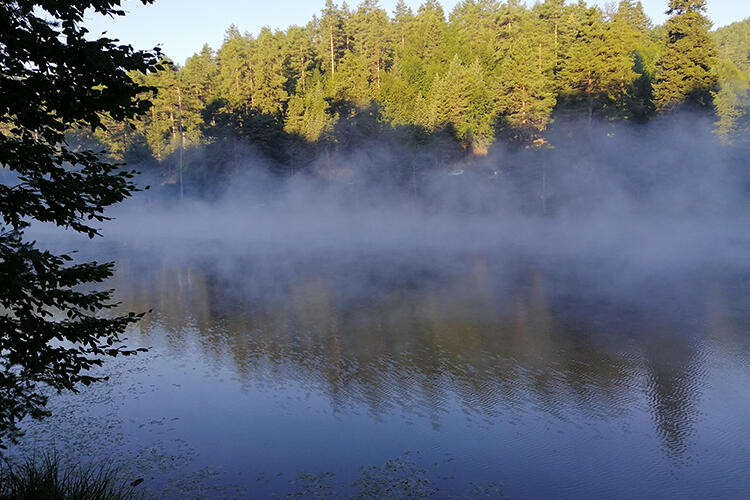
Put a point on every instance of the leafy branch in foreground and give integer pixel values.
(53, 80)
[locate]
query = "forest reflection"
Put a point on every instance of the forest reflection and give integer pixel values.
(497, 336)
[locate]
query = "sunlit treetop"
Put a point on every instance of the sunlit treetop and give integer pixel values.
(684, 6)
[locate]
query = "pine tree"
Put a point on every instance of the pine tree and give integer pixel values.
(732, 101)
(298, 55)
(560, 28)
(121, 139)
(199, 75)
(331, 37)
(161, 125)
(371, 39)
(269, 93)
(473, 23)
(524, 93)
(685, 72)
(461, 100)
(598, 72)
(508, 24)
(236, 78)
(429, 41)
(630, 32)
(354, 80)
(402, 102)
(402, 25)
(308, 114)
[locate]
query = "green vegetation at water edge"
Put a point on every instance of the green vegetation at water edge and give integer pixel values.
(45, 478)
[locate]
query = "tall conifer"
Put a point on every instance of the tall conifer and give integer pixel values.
(685, 72)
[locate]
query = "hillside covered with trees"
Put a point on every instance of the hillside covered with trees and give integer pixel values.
(488, 73)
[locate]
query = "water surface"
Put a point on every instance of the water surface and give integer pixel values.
(527, 376)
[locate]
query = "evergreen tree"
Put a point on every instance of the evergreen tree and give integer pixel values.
(732, 101)
(685, 72)
(369, 31)
(403, 103)
(354, 80)
(161, 125)
(269, 92)
(402, 25)
(309, 114)
(331, 37)
(561, 27)
(473, 26)
(428, 43)
(490, 59)
(461, 101)
(508, 27)
(199, 75)
(236, 78)
(733, 43)
(630, 32)
(599, 70)
(298, 56)
(121, 140)
(525, 93)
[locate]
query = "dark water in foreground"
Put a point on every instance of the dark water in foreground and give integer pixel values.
(536, 377)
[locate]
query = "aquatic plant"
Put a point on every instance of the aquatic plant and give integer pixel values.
(43, 477)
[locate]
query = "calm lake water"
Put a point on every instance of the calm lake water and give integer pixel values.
(485, 373)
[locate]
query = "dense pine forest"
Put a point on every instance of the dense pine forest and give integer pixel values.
(490, 74)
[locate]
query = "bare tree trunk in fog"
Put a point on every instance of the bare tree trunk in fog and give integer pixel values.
(414, 178)
(329, 165)
(544, 186)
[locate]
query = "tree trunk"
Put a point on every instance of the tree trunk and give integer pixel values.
(378, 73)
(539, 57)
(555, 46)
(544, 186)
(302, 73)
(333, 59)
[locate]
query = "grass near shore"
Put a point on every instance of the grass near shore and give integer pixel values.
(44, 478)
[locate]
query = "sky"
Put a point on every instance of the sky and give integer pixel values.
(181, 27)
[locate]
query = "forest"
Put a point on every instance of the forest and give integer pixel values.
(488, 75)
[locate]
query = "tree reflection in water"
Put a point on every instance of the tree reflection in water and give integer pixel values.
(495, 333)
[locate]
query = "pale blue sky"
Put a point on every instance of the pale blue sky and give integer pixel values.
(181, 27)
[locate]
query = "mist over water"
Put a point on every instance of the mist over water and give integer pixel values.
(572, 322)
(630, 200)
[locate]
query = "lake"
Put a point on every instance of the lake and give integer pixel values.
(471, 372)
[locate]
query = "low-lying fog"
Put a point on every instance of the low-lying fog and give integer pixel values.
(649, 197)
